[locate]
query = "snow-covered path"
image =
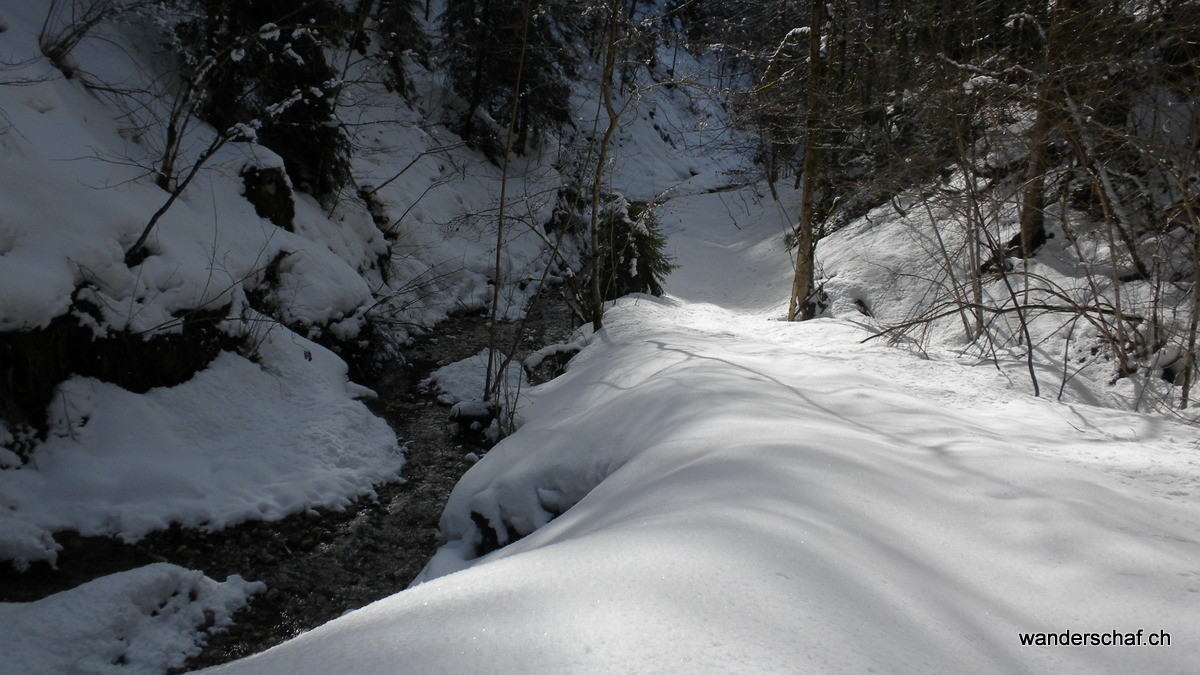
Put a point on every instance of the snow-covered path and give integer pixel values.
(750, 495)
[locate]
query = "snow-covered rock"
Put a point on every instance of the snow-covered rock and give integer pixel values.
(146, 620)
(240, 441)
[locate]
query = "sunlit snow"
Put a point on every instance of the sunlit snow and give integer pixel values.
(744, 494)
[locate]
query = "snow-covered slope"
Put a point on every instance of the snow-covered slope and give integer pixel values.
(742, 494)
(269, 428)
(907, 267)
(262, 422)
(198, 454)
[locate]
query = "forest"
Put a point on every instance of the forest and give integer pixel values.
(599, 335)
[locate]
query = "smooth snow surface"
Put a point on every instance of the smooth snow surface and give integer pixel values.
(739, 494)
(146, 620)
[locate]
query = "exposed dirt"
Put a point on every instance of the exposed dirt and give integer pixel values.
(320, 565)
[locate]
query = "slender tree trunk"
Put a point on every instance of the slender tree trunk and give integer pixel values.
(493, 379)
(475, 96)
(1033, 231)
(802, 283)
(1189, 364)
(1032, 219)
(606, 82)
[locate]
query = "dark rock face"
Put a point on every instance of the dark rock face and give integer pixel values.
(269, 192)
(471, 413)
(34, 362)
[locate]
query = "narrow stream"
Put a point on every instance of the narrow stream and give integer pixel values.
(318, 567)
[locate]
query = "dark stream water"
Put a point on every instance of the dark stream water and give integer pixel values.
(318, 567)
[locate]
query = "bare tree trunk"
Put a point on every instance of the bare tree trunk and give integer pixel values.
(802, 283)
(493, 378)
(1189, 364)
(1032, 219)
(1033, 231)
(606, 82)
(1189, 367)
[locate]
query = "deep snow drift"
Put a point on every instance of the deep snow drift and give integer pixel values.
(198, 454)
(743, 494)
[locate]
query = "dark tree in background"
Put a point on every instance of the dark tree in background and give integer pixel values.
(278, 79)
(398, 30)
(482, 47)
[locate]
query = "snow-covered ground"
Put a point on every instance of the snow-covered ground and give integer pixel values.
(742, 494)
(146, 620)
(465, 380)
(199, 454)
(269, 427)
(76, 190)
(706, 488)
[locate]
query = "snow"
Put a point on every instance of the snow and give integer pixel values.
(471, 410)
(146, 620)
(535, 360)
(464, 380)
(273, 427)
(240, 441)
(79, 162)
(738, 493)
(707, 488)
(866, 274)
(243, 438)
(672, 140)
(65, 169)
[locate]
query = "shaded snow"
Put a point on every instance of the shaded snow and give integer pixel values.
(240, 441)
(909, 263)
(464, 380)
(243, 439)
(146, 620)
(706, 488)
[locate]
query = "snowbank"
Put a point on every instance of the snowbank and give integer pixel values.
(146, 620)
(240, 441)
(909, 265)
(464, 380)
(271, 427)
